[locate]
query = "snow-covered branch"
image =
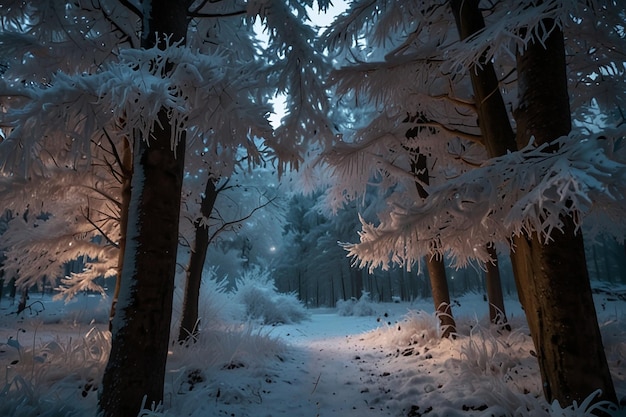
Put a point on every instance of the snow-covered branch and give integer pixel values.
(526, 191)
(195, 93)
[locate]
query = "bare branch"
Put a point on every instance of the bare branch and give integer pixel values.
(454, 132)
(215, 15)
(102, 232)
(226, 225)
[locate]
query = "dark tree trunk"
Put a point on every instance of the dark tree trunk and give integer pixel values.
(190, 317)
(493, 117)
(441, 295)
(21, 305)
(141, 327)
(551, 279)
(12, 290)
(607, 261)
(594, 254)
(434, 265)
(343, 285)
(333, 300)
(497, 313)
(126, 160)
(555, 291)
(495, 127)
(357, 283)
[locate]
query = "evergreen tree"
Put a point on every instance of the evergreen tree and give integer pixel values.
(410, 57)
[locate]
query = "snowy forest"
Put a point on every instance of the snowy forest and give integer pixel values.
(299, 207)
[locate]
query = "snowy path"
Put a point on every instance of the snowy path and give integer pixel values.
(333, 370)
(329, 370)
(338, 374)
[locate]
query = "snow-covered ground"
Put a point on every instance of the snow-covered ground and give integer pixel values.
(390, 363)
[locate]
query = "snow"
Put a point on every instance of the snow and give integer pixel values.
(390, 363)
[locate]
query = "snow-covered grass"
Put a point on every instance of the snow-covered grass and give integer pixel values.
(389, 363)
(353, 307)
(256, 291)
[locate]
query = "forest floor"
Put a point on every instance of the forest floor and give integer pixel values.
(389, 363)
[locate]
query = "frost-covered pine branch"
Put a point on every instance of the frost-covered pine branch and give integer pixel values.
(297, 69)
(524, 191)
(58, 219)
(421, 66)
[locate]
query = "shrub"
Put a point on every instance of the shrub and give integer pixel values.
(363, 307)
(256, 291)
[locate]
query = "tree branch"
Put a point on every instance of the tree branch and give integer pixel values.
(463, 135)
(215, 15)
(133, 8)
(196, 12)
(102, 232)
(225, 225)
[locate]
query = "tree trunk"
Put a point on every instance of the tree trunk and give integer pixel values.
(497, 313)
(12, 290)
(333, 300)
(434, 265)
(141, 327)
(127, 174)
(357, 283)
(190, 320)
(540, 272)
(493, 119)
(343, 285)
(606, 250)
(21, 305)
(556, 292)
(594, 254)
(441, 295)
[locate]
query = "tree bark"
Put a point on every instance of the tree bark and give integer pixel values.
(127, 174)
(493, 119)
(441, 295)
(556, 292)
(21, 305)
(141, 327)
(190, 317)
(497, 313)
(434, 265)
(1, 284)
(550, 278)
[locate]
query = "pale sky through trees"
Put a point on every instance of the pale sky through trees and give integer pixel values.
(319, 19)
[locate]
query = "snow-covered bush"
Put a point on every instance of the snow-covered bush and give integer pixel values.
(231, 347)
(256, 291)
(364, 306)
(216, 308)
(417, 328)
(485, 353)
(215, 301)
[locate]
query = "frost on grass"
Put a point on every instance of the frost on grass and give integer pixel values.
(258, 294)
(364, 306)
(56, 377)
